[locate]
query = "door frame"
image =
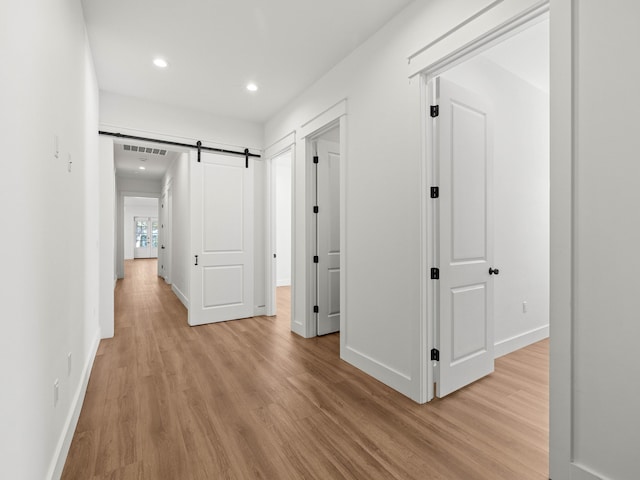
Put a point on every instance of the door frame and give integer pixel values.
(120, 225)
(428, 209)
(315, 241)
(285, 144)
(303, 321)
(166, 240)
(312, 291)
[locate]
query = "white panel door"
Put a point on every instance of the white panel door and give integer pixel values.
(465, 239)
(328, 236)
(221, 285)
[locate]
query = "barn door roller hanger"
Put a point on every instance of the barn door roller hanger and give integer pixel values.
(246, 153)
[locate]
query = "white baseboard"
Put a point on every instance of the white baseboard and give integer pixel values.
(283, 282)
(62, 449)
(503, 347)
(580, 472)
(298, 329)
(384, 373)
(181, 296)
(259, 311)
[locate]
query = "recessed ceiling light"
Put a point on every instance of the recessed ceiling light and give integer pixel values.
(160, 63)
(252, 87)
(141, 168)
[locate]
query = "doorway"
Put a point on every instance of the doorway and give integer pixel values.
(325, 174)
(164, 254)
(281, 193)
(145, 237)
(140, 235)
(490, 211)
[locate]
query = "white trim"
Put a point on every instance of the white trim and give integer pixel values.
(259, 311)
(278, 147)
(441, 38)
(343, 228)
(580, 472)
(563, 89)
(64, 443)
(479, 31)
(275, 150)
(181, 296)
(389, 376)
(270, 263)
(508, 345)
(323, 120)
(428, 242)
(283, 282)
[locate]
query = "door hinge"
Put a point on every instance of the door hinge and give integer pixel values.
(435, 354)
(315, 159)
(435, 192)
(435, 110)
(435, 274)
(315, 259)
(316, 309)
(316, 209)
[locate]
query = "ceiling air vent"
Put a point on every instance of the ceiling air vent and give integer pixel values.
(152, 151)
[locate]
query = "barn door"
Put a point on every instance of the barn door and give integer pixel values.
(221, 219)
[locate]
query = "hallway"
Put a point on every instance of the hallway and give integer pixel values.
(248, 399)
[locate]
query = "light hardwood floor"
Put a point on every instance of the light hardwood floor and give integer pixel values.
(248, 399)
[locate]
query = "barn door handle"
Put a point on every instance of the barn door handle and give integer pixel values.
(493, 271)
(196, 260)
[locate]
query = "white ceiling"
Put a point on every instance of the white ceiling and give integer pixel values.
(140, 202)
(525, 55)
(215, 47)
(128, 163)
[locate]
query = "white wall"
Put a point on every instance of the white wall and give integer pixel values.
(282, 175)
(129, 114)
(107, 219)
(131, 210)
(382, 256)
(49, 287)
(177, 179)
(521, 200)
(595, 426)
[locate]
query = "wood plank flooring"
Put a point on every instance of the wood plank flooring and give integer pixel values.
(250, 400)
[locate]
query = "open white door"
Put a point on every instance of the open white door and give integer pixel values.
(328, 236)
(221, 286)
(164, 256)
(465, 239)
